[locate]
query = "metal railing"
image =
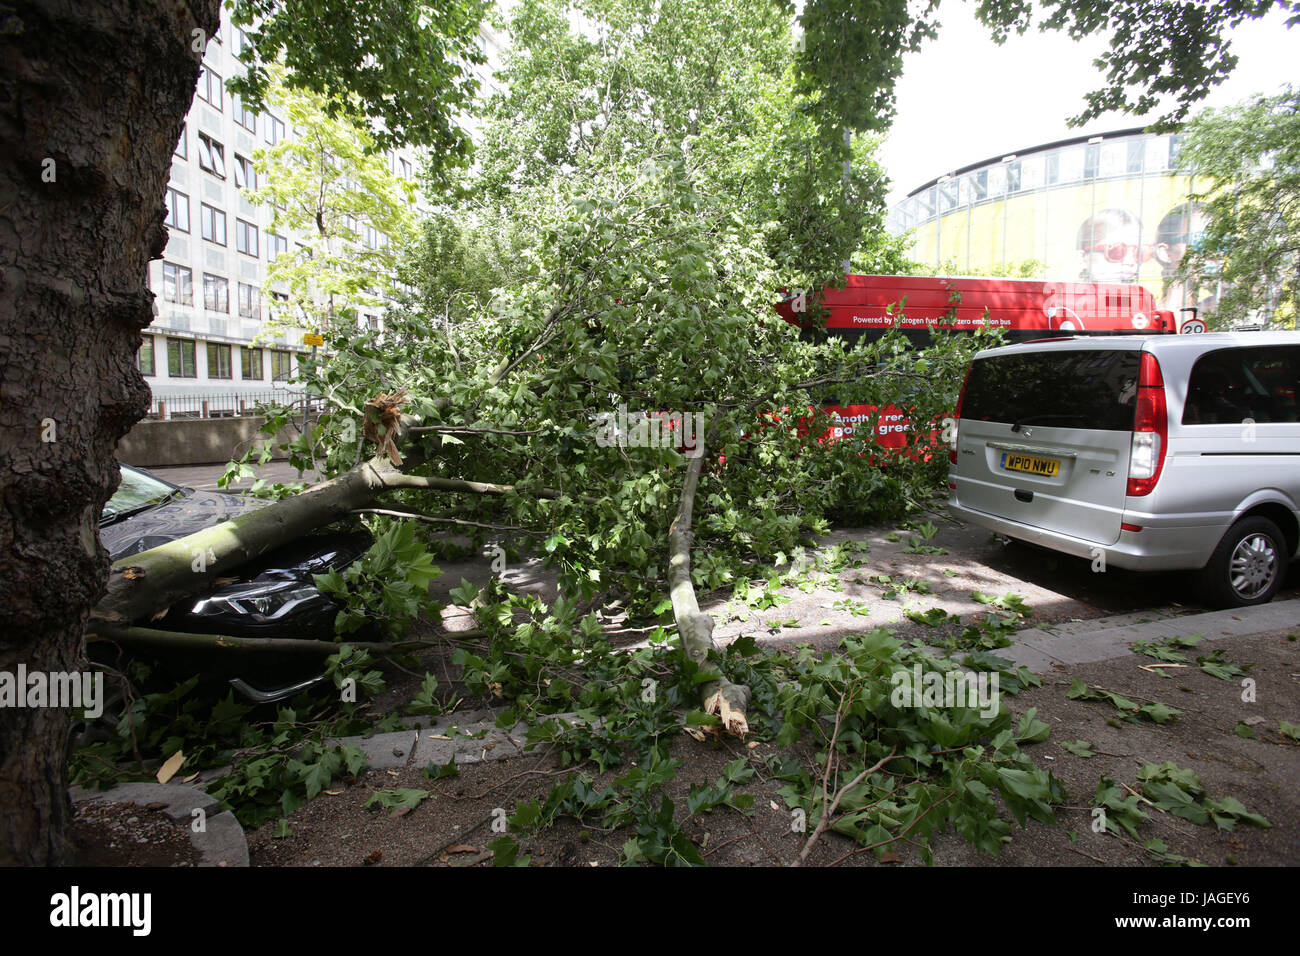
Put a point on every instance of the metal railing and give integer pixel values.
(228, 404)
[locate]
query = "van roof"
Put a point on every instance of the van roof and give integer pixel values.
(1155, 343)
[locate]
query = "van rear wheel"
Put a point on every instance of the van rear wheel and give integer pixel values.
(1246, 567)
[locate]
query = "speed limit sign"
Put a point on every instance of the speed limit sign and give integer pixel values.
(1191, 327)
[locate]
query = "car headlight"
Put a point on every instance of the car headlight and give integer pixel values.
(266, 603)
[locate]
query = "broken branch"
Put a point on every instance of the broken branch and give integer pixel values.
(721, 696)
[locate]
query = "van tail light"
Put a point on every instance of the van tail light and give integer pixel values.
(956, 416)
(1150, 430)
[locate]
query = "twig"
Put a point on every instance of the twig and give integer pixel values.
(1094, 859)
(910, 828)
(829, 812)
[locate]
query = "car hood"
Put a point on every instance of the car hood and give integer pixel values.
(193, 511)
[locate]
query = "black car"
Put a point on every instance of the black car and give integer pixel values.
(273, 595)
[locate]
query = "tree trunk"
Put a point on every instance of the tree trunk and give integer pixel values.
(92, 97)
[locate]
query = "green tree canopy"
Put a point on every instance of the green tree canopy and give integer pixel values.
(354, 214)
(1250, 155)
(402, 64)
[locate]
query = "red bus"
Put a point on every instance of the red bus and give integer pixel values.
(1025, 309)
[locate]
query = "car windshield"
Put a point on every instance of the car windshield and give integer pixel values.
(137, 490)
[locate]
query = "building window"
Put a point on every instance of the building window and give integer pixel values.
(1092, 161)
(281, 366)
(250, 306)
(246, 237)
(182, 146)
(948, 195)
(245, 173)
(212, 156)
(276, 246)
(238, 41)
(280, 304)
(243, 115)
(406, 169)
(178, 211)
(144, 358)
(1013, 177)
(373, 322)
(216, 294)
(1136, 150)
(210, 88)
(1033, 170)
(1072, 164)
(1175, 147)
(250, 364)
(180, 359)
(214, 224)
(274, 130)
(218, 361)
(178, 284)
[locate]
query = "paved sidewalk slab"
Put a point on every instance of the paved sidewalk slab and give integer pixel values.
(1039, 649)
(221, 842)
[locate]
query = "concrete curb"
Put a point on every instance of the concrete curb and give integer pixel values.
(220, 843)
(467, 737)
(1039, 649)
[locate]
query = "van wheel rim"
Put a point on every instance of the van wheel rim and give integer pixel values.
(1254, 565)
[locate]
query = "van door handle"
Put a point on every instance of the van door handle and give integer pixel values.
(1032, 449)
(1024, 495)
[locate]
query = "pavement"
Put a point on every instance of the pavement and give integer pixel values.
(1085, 642)
(1075, 612)
(218, 837)
(473, 736)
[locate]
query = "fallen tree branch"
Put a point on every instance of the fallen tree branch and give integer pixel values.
(400, 480)
(160, 638)
(466, 430)
(398, 513)
(144, 583)
(721, 696)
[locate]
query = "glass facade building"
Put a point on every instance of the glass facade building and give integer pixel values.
(1111, 208)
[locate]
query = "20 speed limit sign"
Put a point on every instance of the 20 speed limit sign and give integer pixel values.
(1191, 327)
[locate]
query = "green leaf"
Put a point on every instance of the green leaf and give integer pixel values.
(397, 800)
(505, 852)
(1031, 729)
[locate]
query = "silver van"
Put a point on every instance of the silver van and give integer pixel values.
(1163, 452)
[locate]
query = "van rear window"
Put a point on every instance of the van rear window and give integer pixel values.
(1065, 389)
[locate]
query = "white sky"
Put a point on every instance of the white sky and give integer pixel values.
(963, 99)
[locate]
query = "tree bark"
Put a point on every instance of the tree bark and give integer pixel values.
(92, 97)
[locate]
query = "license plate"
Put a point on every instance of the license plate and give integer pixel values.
(1047, 467)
